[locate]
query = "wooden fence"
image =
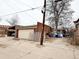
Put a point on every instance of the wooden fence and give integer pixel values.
(74, 37)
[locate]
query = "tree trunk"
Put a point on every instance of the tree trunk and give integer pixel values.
(56, 23)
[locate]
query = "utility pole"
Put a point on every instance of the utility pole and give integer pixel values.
(44, 12)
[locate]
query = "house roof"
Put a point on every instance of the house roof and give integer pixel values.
(27, 27)
(23, 27)
(30, 26)
(42, 24)
(77, 21)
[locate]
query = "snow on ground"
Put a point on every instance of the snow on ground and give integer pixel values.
(23, 49)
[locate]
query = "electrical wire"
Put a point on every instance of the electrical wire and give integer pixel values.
(31, 9)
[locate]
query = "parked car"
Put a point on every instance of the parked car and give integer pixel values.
(60, 35)
(57, 34)
(13, 34)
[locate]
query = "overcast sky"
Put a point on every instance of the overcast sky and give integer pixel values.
(75, 7)
(29, 17)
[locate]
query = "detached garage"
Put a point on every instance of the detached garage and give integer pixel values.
(32, 32)
(26, 32)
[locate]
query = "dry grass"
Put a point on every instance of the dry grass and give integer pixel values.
(3, 45)
(51, 40)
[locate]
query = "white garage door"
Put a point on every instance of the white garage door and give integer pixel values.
(26, 34)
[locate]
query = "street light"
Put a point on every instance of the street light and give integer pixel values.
(44, 11)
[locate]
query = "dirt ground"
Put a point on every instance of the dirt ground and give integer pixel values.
(23, 49)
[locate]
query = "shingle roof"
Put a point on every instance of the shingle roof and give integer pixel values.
(27, 27)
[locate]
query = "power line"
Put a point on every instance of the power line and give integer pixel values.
(20, 11)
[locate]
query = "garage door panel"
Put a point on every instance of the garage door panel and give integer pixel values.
(26, 34)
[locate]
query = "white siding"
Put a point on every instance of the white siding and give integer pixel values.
(37, 36)
(30, 35)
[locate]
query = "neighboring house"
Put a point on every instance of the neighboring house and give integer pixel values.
(3, 30)
(32, 32)
(77, 24)
(11, 31)
(76, 33)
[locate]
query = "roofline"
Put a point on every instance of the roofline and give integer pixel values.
(44, 24)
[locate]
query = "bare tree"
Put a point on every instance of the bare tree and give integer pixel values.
(58, 12)
(13, 21)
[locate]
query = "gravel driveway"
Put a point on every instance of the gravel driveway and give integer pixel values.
(23, 49)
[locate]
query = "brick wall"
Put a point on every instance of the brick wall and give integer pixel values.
(39, 28)
(46, 28)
